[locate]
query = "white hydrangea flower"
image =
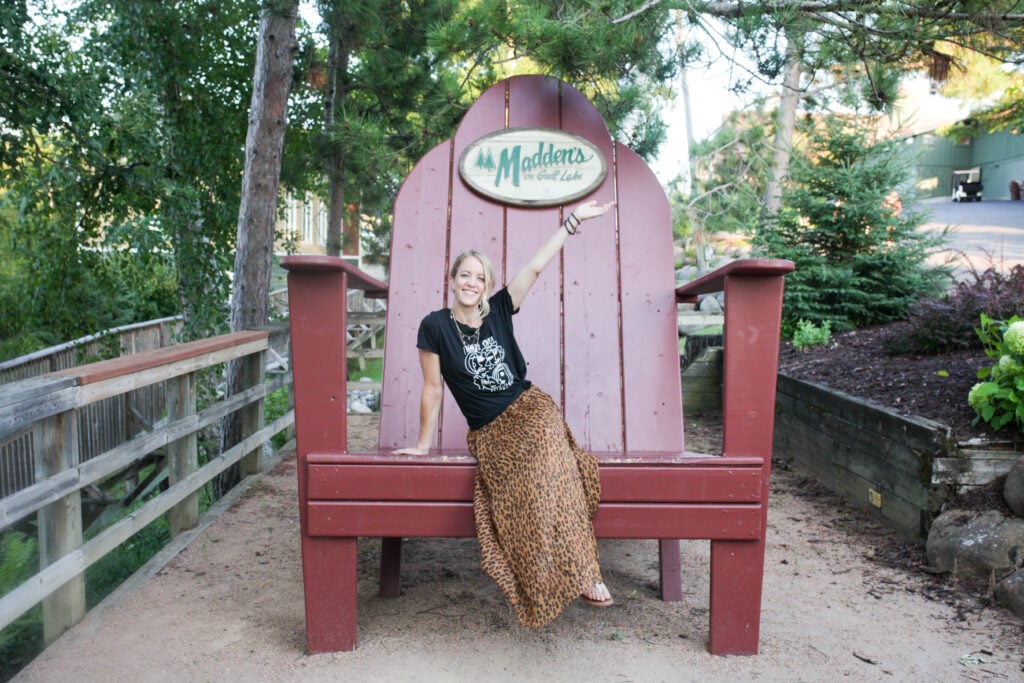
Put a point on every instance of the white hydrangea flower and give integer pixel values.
(1014, 337)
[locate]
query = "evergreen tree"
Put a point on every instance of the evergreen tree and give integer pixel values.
(860, 258)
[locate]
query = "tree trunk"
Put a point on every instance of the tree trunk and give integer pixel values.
(334, 99)
(257, 213)
(783, 143)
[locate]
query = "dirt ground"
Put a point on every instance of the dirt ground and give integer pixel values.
(842, 599)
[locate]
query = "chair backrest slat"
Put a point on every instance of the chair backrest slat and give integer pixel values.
(599, 328)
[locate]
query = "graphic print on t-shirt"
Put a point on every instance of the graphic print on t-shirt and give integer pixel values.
(486, 362)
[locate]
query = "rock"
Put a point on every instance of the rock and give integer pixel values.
(710, 304)
(363, 401)
(685, 274)
(1013, 488)
(976, 544)
(1010, 593)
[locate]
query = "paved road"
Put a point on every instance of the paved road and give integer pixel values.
(990, 232)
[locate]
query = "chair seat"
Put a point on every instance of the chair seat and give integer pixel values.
(636, 477)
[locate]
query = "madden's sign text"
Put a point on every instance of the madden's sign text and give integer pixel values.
(533, 166)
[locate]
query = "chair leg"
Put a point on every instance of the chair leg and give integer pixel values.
(737, 573)
(671, 570)
(390, 567)
(329, 573)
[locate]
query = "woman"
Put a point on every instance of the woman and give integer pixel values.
(536, 490)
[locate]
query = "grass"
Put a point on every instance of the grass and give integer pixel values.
(374, 370)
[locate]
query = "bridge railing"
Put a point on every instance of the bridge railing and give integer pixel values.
(49, 407)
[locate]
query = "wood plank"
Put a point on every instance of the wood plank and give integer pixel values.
(534, 101)
(183, 453)
(113, 382)
(902, 446)
(60, 523)
(475, 223)
(22, 391)
(330, 575)
(391, 482)
(872, 466)
(462, 457)
(136, 363)
(418, 284)
(650, 341)
(714, 281)
(613, 520)
(347, 519)
(35, 399)
(321, 263)
(753, 309)
(621, 483)
(909, 519)
(593, 341)
(921, 432)
(973, 467)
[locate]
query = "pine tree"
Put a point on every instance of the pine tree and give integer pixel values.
(860, 258)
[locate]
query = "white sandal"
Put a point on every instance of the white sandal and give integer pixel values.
(598, 603)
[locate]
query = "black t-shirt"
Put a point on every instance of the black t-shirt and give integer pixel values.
(486, 374)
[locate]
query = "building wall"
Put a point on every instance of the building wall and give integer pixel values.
(304, 222)
(936, 159)
(999, 155)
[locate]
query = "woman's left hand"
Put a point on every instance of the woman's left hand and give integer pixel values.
(592, 209)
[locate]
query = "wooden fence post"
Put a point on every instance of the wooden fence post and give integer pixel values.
(253, 373)
(60, 523)
(182, 454)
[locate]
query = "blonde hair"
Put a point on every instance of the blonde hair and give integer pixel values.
(484, 306)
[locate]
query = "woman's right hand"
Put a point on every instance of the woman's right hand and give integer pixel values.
(414, 450)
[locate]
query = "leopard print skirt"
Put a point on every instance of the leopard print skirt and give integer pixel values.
(536, 492)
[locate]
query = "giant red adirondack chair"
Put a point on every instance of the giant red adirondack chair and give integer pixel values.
(599, 331)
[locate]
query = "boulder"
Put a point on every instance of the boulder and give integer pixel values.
(976, 544)
(1013, 488)
(711, 303)
(1010, 593)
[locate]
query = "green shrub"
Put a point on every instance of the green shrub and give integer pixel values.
(947, 323)
(115, 567)
(998, 400)
(274, 406)
(809, 334)
(23, 638)
(860, 258)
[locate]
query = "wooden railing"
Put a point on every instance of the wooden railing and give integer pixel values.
(135, 338)
(105, 423)
(49, 407)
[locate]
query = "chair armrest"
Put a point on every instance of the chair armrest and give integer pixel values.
(714, 281)
(753, 311)
(318, 263)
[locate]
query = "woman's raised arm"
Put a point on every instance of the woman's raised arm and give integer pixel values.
(523, 282)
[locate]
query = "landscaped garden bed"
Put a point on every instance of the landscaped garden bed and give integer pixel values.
(890, 432)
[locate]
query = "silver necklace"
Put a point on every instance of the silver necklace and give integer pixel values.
(467, 340)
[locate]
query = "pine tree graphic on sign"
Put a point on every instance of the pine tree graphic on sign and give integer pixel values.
(485, 161)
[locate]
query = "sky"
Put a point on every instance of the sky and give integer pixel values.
(711, 101)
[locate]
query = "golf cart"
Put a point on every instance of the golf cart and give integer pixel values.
(967, 185)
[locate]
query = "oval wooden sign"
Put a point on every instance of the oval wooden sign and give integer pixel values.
(533, 166)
